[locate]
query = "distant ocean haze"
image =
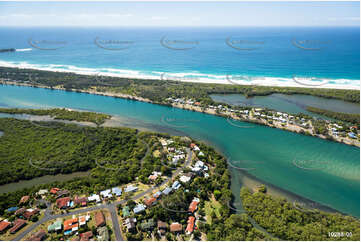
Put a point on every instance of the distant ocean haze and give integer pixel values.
(328, 57)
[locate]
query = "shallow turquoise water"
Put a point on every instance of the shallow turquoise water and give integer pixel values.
(323, 171)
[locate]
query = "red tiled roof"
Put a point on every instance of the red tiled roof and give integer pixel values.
(192, 145)
(20, 211)
(28, 214)
(190, 225)
(70, 223)
(86, 236)
(18, 224)
(4, 225)
(99, 219)
(193, 206)
(24, 199)
(80, 200)
(150, 201)
(175, 227)
(54, 190)
(62, 202)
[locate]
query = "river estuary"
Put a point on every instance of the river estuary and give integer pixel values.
(323, 171)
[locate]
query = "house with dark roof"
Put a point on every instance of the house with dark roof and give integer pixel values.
(38, 236)
(99, 219)
(62, 193)
(17, 225)
(30, 212)
(147, 225)
(82, 201)
(130, 224)
(162, 227)
(20, 211)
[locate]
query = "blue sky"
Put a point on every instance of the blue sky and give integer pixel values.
(179, 14)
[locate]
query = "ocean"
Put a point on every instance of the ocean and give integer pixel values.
(309, 56)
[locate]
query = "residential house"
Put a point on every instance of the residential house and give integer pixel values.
(71, 225)
(20, 211)
(167, 190)
(30, 212)
(190, 225)
(99, 219)
(162, 227)
(38, 236)
(62, 193)
(352, 135)
(139, 208)
(54, 190)
(150, 201)
(4, 225)
(24, 199)
(157, 194)
(84, 219)
(130, 224)
(175, 228)
(17, 225)
(184, 179)
(103, 234)
(193, 205)
(94, 198)
(176, 185)
(86, 236)
(106, 193)
(147, 225)
(82, 201)
(42, 192)
(131, 188)
(55, 227)
(62, 203)
(117, 191)
(12, 209)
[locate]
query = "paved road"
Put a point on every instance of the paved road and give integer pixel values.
(111, 207)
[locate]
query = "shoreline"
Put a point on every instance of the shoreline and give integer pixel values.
(290, 128)
(252, 182)
(196, 77)
(246, 179)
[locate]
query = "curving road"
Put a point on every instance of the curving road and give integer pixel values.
(111, 207)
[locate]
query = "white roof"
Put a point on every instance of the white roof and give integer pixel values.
(94, 197)
(184, 179)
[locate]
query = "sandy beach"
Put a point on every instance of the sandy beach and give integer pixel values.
(195, 77)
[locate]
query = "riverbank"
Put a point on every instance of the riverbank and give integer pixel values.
(197, 108)
(247, 179)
